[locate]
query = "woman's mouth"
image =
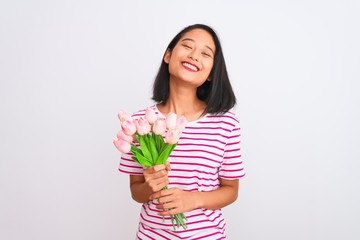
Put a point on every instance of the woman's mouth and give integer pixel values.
(190, 67)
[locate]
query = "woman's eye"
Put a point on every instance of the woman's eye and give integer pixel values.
(206, 54)
(187, 46)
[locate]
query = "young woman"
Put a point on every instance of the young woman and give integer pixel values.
(204, 169)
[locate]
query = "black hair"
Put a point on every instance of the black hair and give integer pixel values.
(217, 93)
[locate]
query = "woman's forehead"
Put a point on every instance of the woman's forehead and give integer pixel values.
(199, 36)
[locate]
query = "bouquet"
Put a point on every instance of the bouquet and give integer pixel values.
(143, 137)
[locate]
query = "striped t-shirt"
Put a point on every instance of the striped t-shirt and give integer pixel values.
(208, 149)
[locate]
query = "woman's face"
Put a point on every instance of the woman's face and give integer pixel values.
(192, 58)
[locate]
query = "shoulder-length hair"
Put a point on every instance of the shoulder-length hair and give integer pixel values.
(217, 93)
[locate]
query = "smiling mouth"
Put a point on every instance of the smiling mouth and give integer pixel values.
(190, 67)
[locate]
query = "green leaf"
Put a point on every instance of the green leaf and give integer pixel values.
(134, 149)
(135, 159)
(144, 148)
(152, 145)
(168, 148)
(154, 136)
(161, 142)
(143, 160)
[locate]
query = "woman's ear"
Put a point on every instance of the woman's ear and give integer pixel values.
(167, 56)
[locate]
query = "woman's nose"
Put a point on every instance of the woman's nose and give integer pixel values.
(193, 56)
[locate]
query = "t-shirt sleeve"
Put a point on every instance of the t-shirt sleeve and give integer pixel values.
(232, 166)
(130, 166)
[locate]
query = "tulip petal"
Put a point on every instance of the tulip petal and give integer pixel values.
(150, 115)
(171, 120)
(181, 123)
(159, 126)
(128, 127)
(122, 145)
(124, 116)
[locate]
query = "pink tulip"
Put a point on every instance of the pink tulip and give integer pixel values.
(171, 120)
(181, 123)
(128, 127)
(159, 126)
(142, 126)
(150, 115)
(122, 145)
(123, 116)
(123, 136)
(172, 136)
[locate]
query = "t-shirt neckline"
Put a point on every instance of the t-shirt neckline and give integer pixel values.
(192, 122)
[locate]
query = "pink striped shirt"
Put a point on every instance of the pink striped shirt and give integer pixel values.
(208, 149)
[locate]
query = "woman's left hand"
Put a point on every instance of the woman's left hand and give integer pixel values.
(173, 201)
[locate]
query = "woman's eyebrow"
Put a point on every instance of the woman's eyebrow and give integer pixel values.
(192, 40)
(188, 39)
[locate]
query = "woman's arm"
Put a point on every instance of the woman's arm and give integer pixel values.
(153, 179)
(221, 197)
(179, 201)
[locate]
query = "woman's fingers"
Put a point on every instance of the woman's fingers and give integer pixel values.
(154, 169)
(168, 166)
(166, 199)
(173, 201)
(155, 175)
(158, 184)
(170, 211)
(155, 172)
(162, 193)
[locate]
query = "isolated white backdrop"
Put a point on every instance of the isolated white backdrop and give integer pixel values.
(67, 68)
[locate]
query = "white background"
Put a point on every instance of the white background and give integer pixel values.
(67, 67)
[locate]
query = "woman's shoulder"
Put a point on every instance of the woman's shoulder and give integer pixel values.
(226, 121)
(229, 116)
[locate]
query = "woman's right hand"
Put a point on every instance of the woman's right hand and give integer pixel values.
(153, 180)
(156, 177)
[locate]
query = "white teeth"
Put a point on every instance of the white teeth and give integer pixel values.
(192, 67)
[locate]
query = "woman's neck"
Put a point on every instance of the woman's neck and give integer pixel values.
(183, 101)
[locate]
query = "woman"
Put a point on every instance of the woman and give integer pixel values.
(204, 169)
